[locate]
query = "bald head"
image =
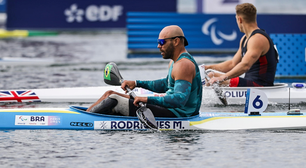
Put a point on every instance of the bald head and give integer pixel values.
(171, 31)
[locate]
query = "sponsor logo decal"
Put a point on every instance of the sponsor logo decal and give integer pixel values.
(54, 120)
(22, 118)
(127, 125)
(101, 124)
(37, 120)
(93, 13)
(217, 40)
(81, 124)
(74, 14)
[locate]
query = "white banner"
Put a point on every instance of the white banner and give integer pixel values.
(222, 6)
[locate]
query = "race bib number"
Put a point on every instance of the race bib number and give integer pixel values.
(256, 101)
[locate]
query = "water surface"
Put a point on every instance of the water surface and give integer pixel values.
(80, 60)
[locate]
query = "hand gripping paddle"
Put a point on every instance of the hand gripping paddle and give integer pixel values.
(217, 90)
(112, 76)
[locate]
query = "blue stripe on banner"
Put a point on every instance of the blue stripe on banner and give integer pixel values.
(204, 32)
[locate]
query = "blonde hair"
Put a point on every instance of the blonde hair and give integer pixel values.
(247, 11)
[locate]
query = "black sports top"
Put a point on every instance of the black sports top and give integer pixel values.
(263, 70)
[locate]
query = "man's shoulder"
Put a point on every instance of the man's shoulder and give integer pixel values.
(259, 39)
(184, 61)
(186, 57)
(185, 54)
(184, 65)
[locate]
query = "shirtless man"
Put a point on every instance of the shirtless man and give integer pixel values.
(182, 86)
(256, 56)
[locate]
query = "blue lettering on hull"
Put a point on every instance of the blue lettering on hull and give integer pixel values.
(130, 125)
(235, 94)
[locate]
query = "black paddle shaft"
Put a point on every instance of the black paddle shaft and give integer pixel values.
(131, 93)
(144, 114)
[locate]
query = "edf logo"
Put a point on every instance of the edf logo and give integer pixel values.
(93, 13)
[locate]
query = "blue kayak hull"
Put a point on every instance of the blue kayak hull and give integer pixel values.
(76, 118)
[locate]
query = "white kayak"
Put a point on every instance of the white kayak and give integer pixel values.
(276, 94)
(75, 94)
(279, 93)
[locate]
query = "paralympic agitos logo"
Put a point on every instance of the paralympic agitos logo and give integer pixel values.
(216, 36)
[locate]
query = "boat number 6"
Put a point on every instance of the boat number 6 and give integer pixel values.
(257, 103)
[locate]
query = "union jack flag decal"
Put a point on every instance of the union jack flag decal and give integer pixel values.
(19, 96)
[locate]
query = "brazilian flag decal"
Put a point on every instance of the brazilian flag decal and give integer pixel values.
(107, 71)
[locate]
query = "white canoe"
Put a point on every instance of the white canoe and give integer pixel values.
(276, 94)
(279, 93)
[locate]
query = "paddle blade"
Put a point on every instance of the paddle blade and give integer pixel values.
(220, 94)
(112, 75)
(223, 101)
(146, 117)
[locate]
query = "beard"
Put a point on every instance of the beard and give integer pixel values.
(168, 53)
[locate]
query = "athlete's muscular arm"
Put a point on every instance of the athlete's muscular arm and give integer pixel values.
(183, 73)
(229, 64)
(183, 69)
(258, 45)
(158, 86)
(177, 99)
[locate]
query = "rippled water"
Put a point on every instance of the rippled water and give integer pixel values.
(79, 61)
(62, 148)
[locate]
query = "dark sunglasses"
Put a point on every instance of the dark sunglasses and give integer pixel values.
(163, 41)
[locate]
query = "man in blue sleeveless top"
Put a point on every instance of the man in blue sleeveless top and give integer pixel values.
(182, 86)
(256, 56)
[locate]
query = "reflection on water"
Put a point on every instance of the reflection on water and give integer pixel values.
(59, 148)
